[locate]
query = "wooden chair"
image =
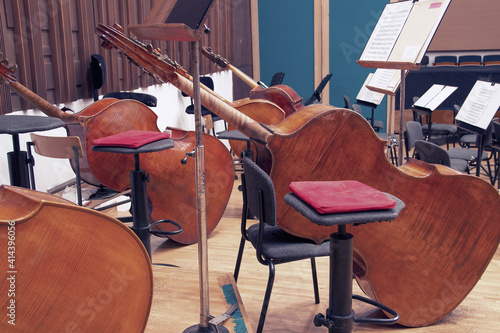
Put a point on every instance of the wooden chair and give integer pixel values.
(67, 147)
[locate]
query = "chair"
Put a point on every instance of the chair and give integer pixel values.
(470, 60)
(377, 125)
(496, 149)
(209, 83)
(491, 60)
(67, 147)
(445, 61)
(347, 102)
(412, 134)
(425, 61)
(277, 79)
(475, 156)
(97, 69)
(273, 245)
(433, 154)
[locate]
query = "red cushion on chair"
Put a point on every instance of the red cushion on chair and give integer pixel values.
(329, 197)
(131, 139)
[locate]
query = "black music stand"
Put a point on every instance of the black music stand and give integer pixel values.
(183, 20)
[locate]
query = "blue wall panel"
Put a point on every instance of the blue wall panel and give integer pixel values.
(351, 24)
(286, 34)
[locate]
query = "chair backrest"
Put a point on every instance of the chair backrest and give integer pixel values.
(97, 69)
(491, 60)
(425, 61)
(496, 130)
(470, 60)
(347, 102)
(277, 79)
(146, 99)
(431, 153)
(413, 134)
(56, 147)
(67, 147)
(357, 108)
(445, 61)
(259, 192)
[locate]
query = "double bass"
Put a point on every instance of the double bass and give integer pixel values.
(172, 191)
(425, 262)
(283, 96)
(66, 268)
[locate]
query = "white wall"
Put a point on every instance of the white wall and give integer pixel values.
(170, 110)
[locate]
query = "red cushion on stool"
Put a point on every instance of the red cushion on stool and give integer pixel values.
(131, 139)
(329, 197)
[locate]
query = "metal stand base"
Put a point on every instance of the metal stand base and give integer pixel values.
(211, 328)
(340, 317)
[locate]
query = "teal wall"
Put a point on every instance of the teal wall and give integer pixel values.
(286, 34)
(351, 24)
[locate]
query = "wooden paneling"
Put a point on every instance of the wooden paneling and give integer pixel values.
(469, 25)
(51, 42)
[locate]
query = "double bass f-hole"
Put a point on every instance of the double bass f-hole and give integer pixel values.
(188, 154)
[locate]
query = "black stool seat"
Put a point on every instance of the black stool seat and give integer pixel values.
(147, 148)
(354, 218)
(18, 124)
(340, 317)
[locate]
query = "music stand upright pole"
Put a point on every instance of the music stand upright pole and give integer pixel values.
(201, 204)
(401, 117)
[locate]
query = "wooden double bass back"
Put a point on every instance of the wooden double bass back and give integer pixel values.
(66, 268)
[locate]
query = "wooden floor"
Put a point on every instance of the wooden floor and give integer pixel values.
(176, 302)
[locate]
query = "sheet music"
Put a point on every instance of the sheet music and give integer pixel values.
(480, 105)
(387, 31)
(367, 95)
(435, 96)
(418, 31)
(439, 99)
(385, 79)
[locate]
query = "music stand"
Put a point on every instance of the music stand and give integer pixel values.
(182, 20)
(412, 25)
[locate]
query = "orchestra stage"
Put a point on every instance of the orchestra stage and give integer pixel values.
(176, 298)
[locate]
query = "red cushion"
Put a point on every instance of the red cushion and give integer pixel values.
(131, 139)
(329, 197)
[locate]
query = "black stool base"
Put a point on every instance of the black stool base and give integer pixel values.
(340, 317)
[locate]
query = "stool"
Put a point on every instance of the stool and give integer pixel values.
(340, 316)
(138, 179)
(18, 160)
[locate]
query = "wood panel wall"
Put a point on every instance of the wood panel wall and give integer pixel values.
(51, 42)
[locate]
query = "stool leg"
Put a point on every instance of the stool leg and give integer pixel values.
(340, 307)
(18, 170)
(140, 208)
